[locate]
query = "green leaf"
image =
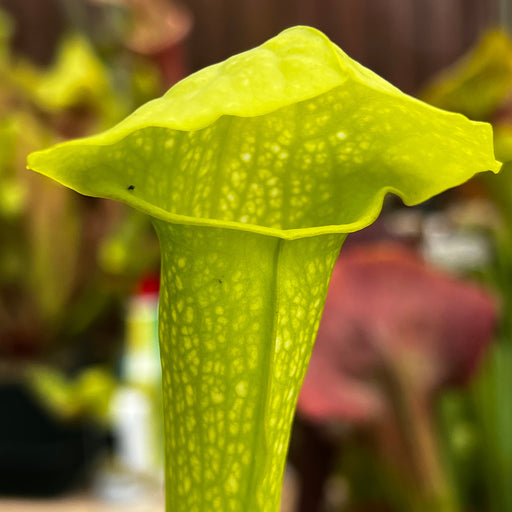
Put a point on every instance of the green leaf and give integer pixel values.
(76, 80)
(254, 170)
(77, 77)
(480, 82)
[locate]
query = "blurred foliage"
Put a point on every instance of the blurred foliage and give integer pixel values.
(86, 395)
(66, 262)
(478, 83)
(77, 79)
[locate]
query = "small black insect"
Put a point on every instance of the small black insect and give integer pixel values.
(219, 281)
(131, 187)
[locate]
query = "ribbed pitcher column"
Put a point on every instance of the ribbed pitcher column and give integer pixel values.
(238, 318)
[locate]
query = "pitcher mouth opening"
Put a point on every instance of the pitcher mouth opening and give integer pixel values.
(259, 175)
(317, 160)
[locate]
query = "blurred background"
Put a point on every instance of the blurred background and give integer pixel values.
(407, 405)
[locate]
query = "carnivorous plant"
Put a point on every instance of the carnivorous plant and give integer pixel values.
(254, 170)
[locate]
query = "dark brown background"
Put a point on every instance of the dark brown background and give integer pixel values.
(406, 41)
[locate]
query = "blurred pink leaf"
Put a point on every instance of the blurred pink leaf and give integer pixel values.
(389, 316)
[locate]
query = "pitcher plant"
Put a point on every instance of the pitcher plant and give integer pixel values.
(254, 170)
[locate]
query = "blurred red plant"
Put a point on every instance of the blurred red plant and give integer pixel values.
(393, 333)
(385, 307)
